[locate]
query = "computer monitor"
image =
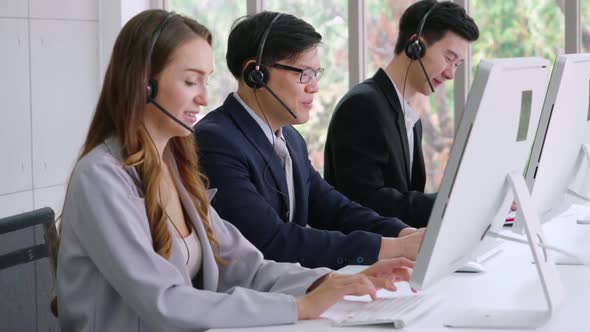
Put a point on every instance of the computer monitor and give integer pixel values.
(483, 176)
(558, 172)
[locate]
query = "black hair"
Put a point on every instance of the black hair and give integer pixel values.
(288, 38)
(447, 16)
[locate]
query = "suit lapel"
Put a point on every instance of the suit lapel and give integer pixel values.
(254, 134)
(384, 82)
(176, 258)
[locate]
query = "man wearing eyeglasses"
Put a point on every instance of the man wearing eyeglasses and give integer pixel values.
(258, 162)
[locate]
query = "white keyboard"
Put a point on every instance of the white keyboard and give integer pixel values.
(400, 311)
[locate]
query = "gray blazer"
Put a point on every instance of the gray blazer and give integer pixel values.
(110, 279)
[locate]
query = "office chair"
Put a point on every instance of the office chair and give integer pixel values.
(14, 225)
(44, 216)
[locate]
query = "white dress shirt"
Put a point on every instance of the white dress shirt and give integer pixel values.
(411, 117)
(192, 245)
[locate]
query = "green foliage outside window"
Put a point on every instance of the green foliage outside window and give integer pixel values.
(508, 29)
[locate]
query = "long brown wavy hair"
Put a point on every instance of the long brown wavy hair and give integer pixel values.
(120, 111)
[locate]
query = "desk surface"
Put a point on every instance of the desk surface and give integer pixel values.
(510, 282)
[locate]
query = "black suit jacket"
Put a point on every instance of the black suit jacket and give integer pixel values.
(367, 153)
(239, 161)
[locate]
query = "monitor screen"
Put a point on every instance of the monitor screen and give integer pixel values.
(494, 139)
(557, 173)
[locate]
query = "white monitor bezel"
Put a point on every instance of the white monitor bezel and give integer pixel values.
(485, 151)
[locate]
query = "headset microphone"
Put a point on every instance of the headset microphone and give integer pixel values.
(158, 106)
(416, 49)
(279, 99)
(152, 92)
(426, 74)
(256, 75)
(152, 86)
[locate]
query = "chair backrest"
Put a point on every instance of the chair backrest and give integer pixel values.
(44, 216)
(26, 281)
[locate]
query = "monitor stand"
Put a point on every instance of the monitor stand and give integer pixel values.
(583, 193)
(552, 287)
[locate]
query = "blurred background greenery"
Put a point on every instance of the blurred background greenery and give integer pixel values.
(508, 29)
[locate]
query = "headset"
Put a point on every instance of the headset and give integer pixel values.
(256, 75)
(416, 49)
(152, 85)
(151, 94)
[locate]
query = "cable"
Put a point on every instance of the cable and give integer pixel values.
(542, 245)
(274, 155)
(403, 102)
(188, 252)
(188, 256)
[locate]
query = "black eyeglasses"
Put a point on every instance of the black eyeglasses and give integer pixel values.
(305, 74)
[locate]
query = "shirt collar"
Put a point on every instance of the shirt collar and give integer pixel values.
(263, 125)
(409, 112)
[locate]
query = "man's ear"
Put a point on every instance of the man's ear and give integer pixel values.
(247, 63)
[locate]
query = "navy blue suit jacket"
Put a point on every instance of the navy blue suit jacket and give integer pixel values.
(239, 161)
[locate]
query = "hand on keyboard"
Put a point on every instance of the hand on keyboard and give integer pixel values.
(390, 270)
(335, 286)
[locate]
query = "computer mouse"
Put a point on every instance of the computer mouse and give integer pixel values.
(471, 267)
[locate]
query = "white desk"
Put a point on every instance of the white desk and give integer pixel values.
(510, 282)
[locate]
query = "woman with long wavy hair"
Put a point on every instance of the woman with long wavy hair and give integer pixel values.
(140, 246)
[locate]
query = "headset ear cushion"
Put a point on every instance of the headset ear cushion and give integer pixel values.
(152, 89)
(415, 49)
(255, 78)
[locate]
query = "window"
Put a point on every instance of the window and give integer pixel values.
(382, 28)
(507, 29)
(218, 16)
(585, 20)
(517, 28)
(330, 19)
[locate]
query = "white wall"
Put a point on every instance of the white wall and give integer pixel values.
(113, 14)
(50, 68)
(53, 58)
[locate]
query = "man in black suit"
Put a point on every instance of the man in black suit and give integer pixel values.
(373, 149)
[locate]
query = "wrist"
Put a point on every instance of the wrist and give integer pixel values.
(390, 248)
(318, 282)
(301, 308)
(406, 231)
